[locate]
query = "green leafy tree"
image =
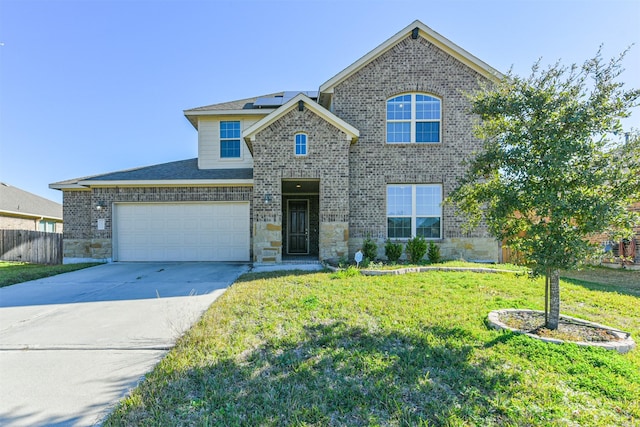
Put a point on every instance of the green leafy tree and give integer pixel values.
(554, 168)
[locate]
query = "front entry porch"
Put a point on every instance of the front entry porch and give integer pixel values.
(300, 219)
(298, 224)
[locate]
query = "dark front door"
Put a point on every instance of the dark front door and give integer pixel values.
(297, 227)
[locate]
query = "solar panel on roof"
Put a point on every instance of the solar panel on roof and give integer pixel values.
(276, 101)
(288, 95)
(268, 102)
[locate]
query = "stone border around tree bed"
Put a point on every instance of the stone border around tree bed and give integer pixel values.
(625, 344)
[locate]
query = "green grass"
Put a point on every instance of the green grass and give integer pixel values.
(18, 272)
(344, 349)
(604, 278)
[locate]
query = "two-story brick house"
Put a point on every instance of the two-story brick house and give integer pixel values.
(372, 153)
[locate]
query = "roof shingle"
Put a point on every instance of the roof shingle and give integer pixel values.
(13, 199)
(179, 170)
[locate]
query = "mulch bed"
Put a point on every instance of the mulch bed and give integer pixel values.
(568, 330)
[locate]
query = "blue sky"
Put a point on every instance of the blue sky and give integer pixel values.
(89, 87)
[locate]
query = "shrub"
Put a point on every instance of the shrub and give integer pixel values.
(433, 253)
(343, 262)
(416, 249)
(393, 251)
(351, 271)
(369, 249)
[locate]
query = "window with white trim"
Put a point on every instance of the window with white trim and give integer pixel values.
(230, 140)
(413, 118)
(47, 226)
(414, 210)
(301, 144)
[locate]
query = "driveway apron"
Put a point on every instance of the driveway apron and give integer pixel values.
(72, 345)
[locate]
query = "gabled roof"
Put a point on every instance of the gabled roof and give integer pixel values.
(15, 201)
(173, 173)
(240, 104)
(326, 89)
(259, 105)
(352, 133)
(238, 107)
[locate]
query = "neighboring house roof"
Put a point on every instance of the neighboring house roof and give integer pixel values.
(172, 173)
(261, 105)
(351, 132)
(415, 28)
(17, 202)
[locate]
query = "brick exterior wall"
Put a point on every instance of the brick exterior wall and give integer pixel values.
(410, 66)
(15, 223)
(18, 223)
(327, 161)
(83, 240)
(352, 177)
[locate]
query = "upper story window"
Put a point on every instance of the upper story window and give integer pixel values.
(413, 118)
(414, 210)
(230, 140)
(301, 144)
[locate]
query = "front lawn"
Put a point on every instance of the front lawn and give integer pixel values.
(339, 349)
(18, 272)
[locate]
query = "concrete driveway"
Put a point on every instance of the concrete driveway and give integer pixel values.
(72, 345)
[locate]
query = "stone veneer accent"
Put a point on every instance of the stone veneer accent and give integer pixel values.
(274, 161)
(267, 245)
(334, 239)
(468, 248)
(410, 66)
(82, 239)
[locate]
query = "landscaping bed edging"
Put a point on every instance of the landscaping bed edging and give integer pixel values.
(425, 269)
(625, 344)
(406, 270)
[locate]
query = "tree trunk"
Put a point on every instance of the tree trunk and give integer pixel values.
(554, 299)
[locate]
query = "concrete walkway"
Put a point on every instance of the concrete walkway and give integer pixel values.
(71, 346)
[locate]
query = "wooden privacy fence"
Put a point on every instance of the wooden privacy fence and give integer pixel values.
(511, 256)
(31, 246)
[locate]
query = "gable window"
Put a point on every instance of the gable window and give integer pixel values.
(301, 144)
(414, 210)
(413, 118)
(230, 140)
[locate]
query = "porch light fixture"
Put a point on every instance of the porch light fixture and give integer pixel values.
(101, 205)
(267, 198)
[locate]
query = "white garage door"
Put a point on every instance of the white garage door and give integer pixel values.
(181, 232)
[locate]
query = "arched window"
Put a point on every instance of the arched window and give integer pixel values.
(301, 144)
(413, 118)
